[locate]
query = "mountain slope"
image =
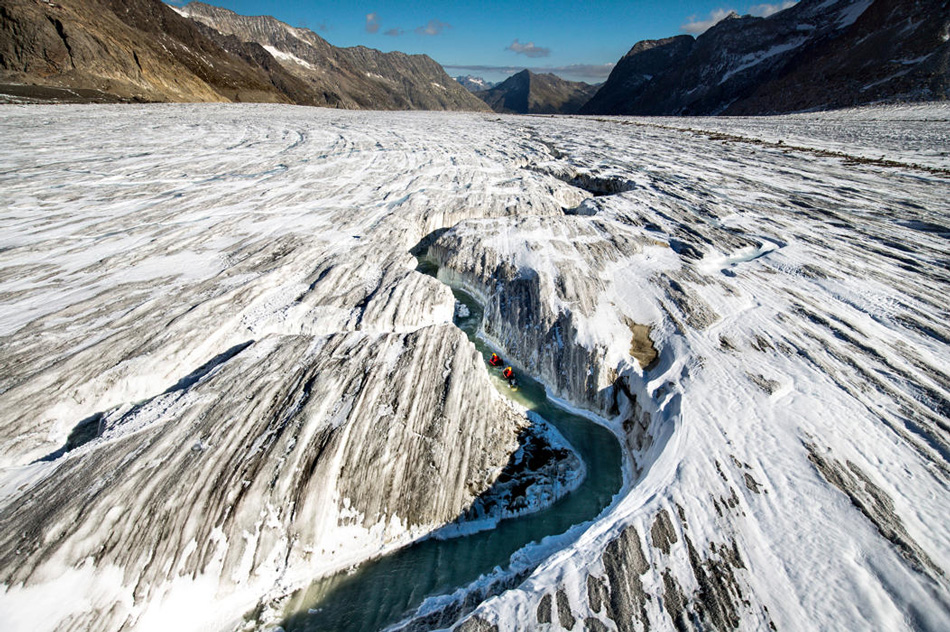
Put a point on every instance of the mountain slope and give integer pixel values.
(530, 93)
(138, 50)
(356, 77)
(144, 50)
(635, 70)
(884, 56)
(816, 54)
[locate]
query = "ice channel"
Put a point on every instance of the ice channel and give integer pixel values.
(384, 591)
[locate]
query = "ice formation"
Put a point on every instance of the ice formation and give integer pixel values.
(223, 376)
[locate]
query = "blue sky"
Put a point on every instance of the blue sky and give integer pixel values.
(577, 39)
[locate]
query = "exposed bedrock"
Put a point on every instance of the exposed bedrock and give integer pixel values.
(297, 454)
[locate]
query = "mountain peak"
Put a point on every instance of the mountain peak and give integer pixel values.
(526, 92)
(814, 54)
(145, 50)
(473, 83)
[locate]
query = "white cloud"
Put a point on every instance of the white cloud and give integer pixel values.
(696, 26)
(394, 32)
(528, 49)
(434, 27)
(765, 10)
(372, 23)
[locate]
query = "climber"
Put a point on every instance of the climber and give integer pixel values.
(494, 360)
(510, 376)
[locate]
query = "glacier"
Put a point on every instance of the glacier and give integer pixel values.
(223, 376)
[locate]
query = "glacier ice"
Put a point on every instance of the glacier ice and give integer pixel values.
(226, 295)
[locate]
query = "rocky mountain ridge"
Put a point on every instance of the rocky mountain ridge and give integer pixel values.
(145, 50)
(139, 51)
(352, 78)
(817, 54)
(531, 93)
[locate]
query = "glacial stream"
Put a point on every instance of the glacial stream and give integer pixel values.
(383, 591)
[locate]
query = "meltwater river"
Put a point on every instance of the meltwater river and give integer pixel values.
(383, 591)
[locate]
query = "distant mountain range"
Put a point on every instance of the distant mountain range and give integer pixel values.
(530, 93)
(817, 54)
(357, 77)
(143, 50)
(475, 84)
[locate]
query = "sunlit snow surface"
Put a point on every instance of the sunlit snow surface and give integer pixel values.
(799, 301)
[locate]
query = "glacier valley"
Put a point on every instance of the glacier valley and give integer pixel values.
(228, 388)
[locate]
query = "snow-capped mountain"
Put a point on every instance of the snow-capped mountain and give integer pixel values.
(474, 84)
(815, 54)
